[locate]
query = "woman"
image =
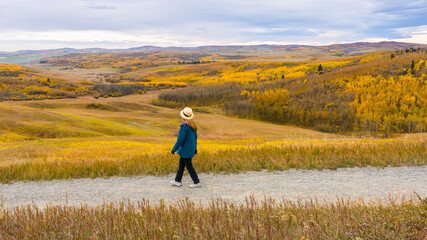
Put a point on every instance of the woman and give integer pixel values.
(186, 145)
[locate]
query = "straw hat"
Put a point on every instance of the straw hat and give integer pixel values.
(187, 113)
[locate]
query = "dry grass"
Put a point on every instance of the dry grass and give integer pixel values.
(43, 140)
(101, 159)
(403, 218)
(75, 75)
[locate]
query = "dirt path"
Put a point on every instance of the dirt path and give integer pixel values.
(366, 183)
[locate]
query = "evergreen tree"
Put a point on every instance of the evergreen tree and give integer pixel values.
(320, 69)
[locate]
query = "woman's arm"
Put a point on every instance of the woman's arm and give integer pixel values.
(181, 137)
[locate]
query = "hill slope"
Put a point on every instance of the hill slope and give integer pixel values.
(349, 49)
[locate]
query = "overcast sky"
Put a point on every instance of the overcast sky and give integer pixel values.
(46, 24)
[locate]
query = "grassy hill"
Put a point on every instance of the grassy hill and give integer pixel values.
(22, 83)
(275, 51)
(109, 114)
(87, 137)
(381, 93)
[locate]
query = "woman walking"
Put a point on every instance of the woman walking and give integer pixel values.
(186, 145)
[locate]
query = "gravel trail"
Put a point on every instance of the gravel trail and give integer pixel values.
(327, 185)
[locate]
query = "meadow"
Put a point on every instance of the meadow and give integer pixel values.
(378, 93)
(127, 136)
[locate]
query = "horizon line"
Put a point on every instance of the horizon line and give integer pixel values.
(218, 45)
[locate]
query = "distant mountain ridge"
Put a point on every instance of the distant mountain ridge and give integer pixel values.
(23, 56)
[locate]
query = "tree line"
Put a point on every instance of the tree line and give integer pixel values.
(382, 95)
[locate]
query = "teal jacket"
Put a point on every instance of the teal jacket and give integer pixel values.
(186, 144)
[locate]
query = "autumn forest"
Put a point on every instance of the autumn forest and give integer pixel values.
(377, 93)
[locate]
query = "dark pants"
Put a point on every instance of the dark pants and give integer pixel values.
(186, 162)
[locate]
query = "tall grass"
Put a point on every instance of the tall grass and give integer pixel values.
(403, 218)
(271, 157)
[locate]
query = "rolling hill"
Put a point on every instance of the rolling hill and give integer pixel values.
(349, 49)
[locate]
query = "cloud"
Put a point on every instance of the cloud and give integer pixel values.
(102, 7)
(184, 22)
(412, 31)
(413, 34)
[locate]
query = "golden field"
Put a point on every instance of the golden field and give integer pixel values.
(87, 137)
(110, 114)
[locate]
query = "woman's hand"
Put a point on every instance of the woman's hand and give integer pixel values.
(173, 152)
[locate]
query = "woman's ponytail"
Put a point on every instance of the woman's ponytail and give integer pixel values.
(193, 124)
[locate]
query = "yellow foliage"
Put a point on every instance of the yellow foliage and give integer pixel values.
(11, 137)
(388, 103)
(85, 82)
(295, 75)
(35, 88)
(419, 65)
(173, 69)
(366, 60)
(158, 84)
(268, 71)
(11, 67)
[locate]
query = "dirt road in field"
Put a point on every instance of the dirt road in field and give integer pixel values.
(353, 183)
